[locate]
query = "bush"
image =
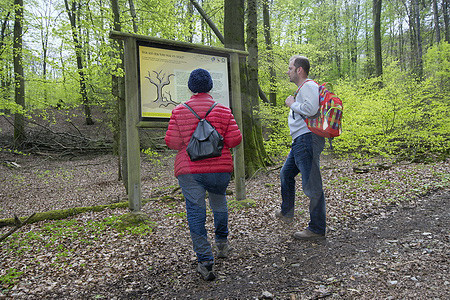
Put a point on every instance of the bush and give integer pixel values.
(397, 115)
(404, 117)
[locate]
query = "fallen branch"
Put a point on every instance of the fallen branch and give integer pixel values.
(61, 214)
(19, 224)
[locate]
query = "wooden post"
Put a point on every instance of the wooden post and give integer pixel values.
(132, 119)
(239, 166)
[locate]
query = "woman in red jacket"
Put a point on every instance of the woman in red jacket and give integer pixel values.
(211, 174)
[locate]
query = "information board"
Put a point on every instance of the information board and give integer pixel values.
(164, 74)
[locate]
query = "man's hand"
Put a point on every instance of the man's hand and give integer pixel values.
(289, 101)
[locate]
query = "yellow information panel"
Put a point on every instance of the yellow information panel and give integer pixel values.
(164, 75)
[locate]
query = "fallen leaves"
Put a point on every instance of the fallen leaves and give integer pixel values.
(82, 256)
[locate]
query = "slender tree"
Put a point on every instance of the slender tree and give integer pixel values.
(74, 11)
(270, 59)
(255, 155)
(4, 77)
(377, 36)
(190, 14)
(118, 91)
(133, 16)
(446, 20)
(437, 28)
(19, 80)
(419, 63)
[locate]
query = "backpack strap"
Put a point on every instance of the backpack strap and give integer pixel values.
(298, 90)
(295, 96)
(195, 114)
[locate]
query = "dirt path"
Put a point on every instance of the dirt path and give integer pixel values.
(400, 254)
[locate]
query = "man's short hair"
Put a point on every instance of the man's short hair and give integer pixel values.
(301, 61)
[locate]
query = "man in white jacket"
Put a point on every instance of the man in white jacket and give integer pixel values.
(304, 156)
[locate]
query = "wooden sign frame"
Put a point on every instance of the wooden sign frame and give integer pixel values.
(134, 120)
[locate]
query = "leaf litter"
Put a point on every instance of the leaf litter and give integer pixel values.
(387, 235)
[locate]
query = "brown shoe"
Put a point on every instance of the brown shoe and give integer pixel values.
(283, 218)
(308, 235)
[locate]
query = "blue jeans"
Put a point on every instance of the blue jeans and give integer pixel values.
(304, 158)
(194, 187)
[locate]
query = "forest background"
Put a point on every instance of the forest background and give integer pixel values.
(387, 60)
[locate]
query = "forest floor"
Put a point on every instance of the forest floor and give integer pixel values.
(388, 234)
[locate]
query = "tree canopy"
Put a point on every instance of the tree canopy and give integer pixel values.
(68, 58)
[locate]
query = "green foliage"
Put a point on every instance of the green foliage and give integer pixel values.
(236, 205)
(138, 224)
(152, 156)
(404, 117)
(274, 120)
(10, 277)
(437, 63)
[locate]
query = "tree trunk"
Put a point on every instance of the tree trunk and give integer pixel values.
(190, 15)
(5, 82)
(268, 39)
(446, 20)
(400, 47)
(419, 70)
(233, 26)
(436, 22)
(255, 155)
(412, 35)
(19, 81)
(118, 91)
(45, 34)
(337, 53)
(72, 13)
(133, 16)
(377, 36)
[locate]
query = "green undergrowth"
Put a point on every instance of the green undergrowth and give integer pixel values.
(396, 115)
(133, 223)
(241, 204)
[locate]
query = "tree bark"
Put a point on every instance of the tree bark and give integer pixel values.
(233, 26)
(446, 20)
(419, 64)
(72, 13)
(133, 16)
(255, 154)
(118, 91)
(190, 15)
(268, 39)
(377, 36)
(19, 81)
(436, 22)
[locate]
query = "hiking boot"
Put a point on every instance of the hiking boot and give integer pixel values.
(223, 249)
(205, 268)
(285, 219)
(308, 235)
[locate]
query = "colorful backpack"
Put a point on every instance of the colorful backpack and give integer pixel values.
(328, 120)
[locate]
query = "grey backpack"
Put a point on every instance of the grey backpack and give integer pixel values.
(205, 142)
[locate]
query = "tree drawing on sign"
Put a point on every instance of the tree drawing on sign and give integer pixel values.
(163, 98)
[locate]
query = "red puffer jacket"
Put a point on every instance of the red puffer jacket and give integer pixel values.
(182, 125)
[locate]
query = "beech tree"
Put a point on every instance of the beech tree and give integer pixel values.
(73, 10)
(19, 76)
(269, 48)
(377, 36)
